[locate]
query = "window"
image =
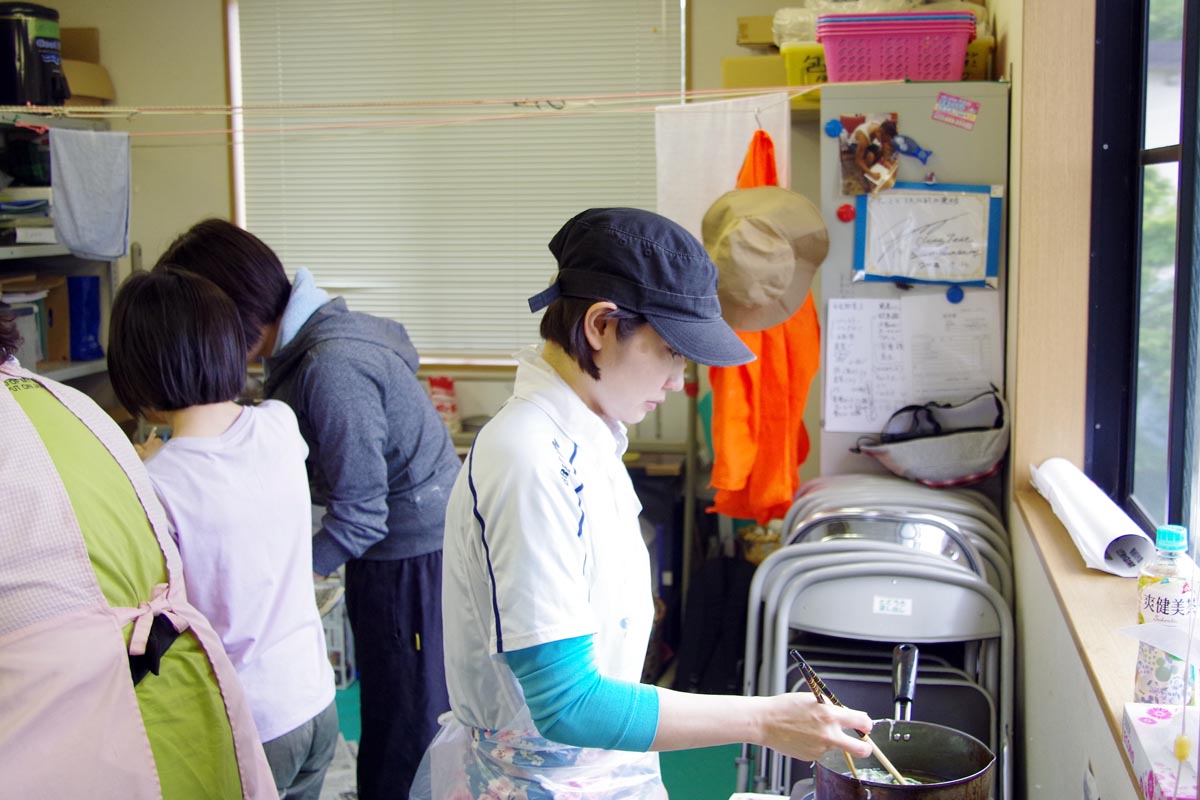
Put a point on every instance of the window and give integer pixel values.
(1142, 396)
(425, 153)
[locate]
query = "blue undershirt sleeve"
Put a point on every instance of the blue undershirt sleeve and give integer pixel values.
(572, 703)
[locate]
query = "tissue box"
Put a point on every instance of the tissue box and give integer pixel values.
(1148, 732)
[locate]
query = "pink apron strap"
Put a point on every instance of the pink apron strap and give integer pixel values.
(117, 444)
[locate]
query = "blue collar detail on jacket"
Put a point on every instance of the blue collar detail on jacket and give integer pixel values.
(306, 298)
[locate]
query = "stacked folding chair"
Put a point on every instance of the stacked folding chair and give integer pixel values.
(869, 562)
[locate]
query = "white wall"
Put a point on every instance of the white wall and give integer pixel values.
(1063, 731)
(165, 52)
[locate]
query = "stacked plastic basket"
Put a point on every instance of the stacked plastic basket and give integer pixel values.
(913, 45)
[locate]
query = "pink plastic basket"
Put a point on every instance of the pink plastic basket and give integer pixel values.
(903, 46)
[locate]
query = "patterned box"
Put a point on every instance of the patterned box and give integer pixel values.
(1149, 732)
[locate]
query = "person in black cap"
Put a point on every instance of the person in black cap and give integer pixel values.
(546, 580)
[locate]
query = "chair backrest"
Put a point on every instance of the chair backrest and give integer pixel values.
(788, 560)
(886, 607)
(870, 489)
(878, 498)
(765, 662)
(983, 525)
(871, 599)
(916, 530)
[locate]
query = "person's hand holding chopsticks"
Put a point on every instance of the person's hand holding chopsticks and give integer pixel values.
(799, 726)
(823, 693)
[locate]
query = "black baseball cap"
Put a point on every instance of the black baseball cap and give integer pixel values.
(647, 264)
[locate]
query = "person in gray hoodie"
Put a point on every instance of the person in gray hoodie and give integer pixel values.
(380, 461)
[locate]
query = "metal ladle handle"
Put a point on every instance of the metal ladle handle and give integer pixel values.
(904, 680)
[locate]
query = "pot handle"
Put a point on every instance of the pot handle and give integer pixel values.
(904, 679)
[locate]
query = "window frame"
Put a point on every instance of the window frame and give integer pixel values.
(1118, 160)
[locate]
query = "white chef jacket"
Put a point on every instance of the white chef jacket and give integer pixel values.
(542, 544)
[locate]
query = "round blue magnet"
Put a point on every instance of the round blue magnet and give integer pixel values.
(833, 127)
(954, 294)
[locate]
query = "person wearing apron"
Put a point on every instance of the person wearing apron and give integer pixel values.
(546, 584)
(112, 685)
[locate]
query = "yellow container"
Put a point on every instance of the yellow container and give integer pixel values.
(979, 59)
(755, 72)
(805, 65)
(804, 62)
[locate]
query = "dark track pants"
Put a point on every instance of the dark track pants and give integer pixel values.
(395, 611)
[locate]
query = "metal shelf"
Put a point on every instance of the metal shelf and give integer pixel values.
(16, 251)
(69, 370)
(13, 115)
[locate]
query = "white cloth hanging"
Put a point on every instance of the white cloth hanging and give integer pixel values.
(700, 148)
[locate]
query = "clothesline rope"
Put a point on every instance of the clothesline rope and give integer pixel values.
(552, 108)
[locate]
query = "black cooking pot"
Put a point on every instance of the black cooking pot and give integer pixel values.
(959, 765)
(950, 764)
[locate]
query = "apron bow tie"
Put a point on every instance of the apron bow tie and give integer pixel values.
(144, 614)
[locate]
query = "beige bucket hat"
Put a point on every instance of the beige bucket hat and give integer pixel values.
(767, 243)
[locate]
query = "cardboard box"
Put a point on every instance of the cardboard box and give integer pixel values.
(755, 31)
(89, 83)
(81, 44)
(88, 80)
(58, 311)
(1148, 732)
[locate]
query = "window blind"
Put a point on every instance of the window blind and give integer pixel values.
(438, 215)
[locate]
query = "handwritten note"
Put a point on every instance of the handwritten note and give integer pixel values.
(881, 355)
(864, 363)
(929, 236)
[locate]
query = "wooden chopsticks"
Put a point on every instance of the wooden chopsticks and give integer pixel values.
(821, 692)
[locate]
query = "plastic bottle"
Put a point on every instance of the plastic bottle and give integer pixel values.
(1165, 595)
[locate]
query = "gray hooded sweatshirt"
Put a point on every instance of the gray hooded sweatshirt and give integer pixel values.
(380, 459)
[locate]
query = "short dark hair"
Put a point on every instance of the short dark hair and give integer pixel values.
(888, 126)
(10, 339)
(239, 263)
(174, 342)
(563, 324)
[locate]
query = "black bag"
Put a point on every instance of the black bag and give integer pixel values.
(713, 640)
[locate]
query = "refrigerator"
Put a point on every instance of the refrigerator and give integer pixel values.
(899, 326)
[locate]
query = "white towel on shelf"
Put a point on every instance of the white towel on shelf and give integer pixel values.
(90, 176)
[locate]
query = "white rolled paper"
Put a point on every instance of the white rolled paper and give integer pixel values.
(1106, 537)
